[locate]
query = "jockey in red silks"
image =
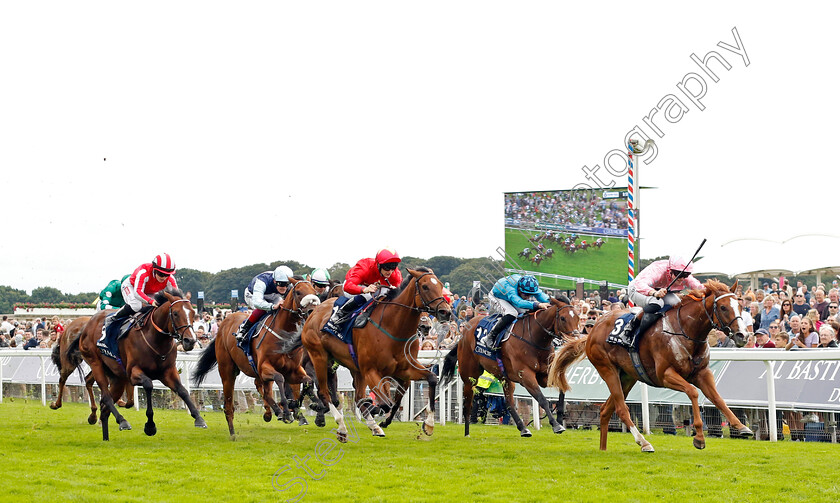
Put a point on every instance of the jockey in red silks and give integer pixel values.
(363, 280)
(650, 289)
(139, 289)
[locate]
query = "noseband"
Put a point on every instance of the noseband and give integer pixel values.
(177, 335)
(715, 314)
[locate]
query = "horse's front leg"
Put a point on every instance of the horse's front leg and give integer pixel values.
(509, 386)
(365, 404)
(529, 381)
(286, 413)
(141, 379)
(672, 379)
(402, 386)
(172, 380)
(416, 374)
(706, 381)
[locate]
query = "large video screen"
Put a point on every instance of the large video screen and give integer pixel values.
(562, 235)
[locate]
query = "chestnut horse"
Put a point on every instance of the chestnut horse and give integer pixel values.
(525, 356)
(674, 354)
(147, 352)
(273, 362)
(386, 347)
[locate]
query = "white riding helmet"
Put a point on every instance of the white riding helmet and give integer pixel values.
(282, 273)
(320, 277)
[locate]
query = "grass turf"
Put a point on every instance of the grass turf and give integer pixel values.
(606, 263)
(55, 455)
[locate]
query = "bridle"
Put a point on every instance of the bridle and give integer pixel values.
(427, 305)
(725, 328)
(556, 323)
(177, 335)
(299, 310)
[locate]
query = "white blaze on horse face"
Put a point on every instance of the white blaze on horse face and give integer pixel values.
(433, 280)
(742, 327)
(187, 317)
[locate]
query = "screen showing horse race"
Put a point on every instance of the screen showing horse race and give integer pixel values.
(563, 235)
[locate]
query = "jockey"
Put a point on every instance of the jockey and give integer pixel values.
(111, 296)
(513, 295)
(320, 279)
(264, 293)
(363, 280)
(139, 288)
(648, 289)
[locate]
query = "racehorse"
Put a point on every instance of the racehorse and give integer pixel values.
(674, 354)
(147, 352)
(525, 357)
(386, 347)
(273, 362)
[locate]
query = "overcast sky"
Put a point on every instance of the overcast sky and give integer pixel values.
(233, 133)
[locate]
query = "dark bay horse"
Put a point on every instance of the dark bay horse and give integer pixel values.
(525, 356)
(272, 359)
(386, 347)
(674, 354)
(147, 352)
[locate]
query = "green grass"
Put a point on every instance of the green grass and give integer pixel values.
(56, 456)
(606, 263)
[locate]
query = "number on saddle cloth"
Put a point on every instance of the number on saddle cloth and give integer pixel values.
(623, 327)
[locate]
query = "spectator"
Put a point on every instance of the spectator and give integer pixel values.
(756, 316)
(781, 339)
(4, 341)
(827, 337)
(814, 316)
(214, 327)
(587, 326)
(718, 339)
(794, 326)
(427, 345)
(820, 304)
(6, 326)
(833, 299)
(57, 325)
(800, 307)
(769, 314)
(31, 341)
(616, 306)
(744, 305)
(807, 337)
(785, 313)
(52, 340)
(759, 296)
(762, 338)
(202, 338)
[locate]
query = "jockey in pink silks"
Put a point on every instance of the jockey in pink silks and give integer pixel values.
(650, 289)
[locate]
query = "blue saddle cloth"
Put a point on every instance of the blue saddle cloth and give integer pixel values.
(245, 345)
(345, 332)
(483, 330)
(110, 346)
(621, 325)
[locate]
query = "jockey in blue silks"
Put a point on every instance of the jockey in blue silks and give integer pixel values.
(514, 295)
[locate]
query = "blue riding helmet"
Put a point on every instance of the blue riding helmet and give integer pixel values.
(528, 285)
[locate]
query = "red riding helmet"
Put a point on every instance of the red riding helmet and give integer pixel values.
(387, 256)
(164, 264)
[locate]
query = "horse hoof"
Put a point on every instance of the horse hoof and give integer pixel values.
(128, 405)
(379, 433)
(287, 418)
(648, 448)
(125, 426)
(150, 429)
(200, 423)
(342, 437)
(320, 422)
(303, 422)
(525, 433)
(428, 429)
(52, 406)
(267, 417)
(92, 419)
(699, 444)
(233, 437)
(745, 432)
(559, 428)
(120, 403)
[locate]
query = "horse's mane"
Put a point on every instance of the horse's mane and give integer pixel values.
(562, 298)
(161, 298)
(713, 286)
(391, 295)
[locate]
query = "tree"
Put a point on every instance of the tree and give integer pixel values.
(485, 270)
(46, 294)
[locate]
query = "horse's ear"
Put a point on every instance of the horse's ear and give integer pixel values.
(169, 296)
(293, 280)
(413, 272)
(563, 298)
(734, 286)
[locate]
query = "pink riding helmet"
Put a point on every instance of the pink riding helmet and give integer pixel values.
(679, 263)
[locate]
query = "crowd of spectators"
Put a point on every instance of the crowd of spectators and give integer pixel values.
(579, 207)
(39, 333)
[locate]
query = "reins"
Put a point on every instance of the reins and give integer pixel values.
(544, 329)
(173, 335)
(427, 308)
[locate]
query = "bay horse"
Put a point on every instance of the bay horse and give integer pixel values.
(147, 352)
(674, 354)
(386, 347)
(272, 360)
(67, 363)
(525, 357)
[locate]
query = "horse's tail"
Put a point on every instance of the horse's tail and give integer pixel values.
(449, 363)
(56, 355)
(73, 352)
(571, 352)
(205, 363)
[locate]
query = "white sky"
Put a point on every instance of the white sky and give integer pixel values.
(330, 129)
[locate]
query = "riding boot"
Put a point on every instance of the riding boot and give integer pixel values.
(342, 314)
(494, 338)
(648, 319)
(243, 329)
(120, 315)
